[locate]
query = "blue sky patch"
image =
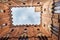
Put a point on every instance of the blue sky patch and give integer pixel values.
(25, 15)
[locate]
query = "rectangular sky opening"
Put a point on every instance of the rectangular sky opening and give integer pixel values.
(25, 15)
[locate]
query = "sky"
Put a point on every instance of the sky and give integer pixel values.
(25, 15)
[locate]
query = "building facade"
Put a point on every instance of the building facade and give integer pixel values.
(49, 29)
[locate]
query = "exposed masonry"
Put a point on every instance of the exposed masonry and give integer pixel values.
(34, 32)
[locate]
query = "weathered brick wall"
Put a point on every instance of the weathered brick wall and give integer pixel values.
(4, 19)
(48, 19)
